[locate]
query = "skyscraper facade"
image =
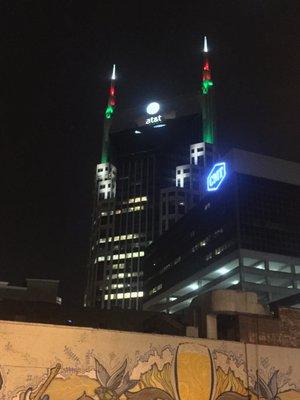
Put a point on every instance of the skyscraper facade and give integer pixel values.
(127, 207)
(144, 183)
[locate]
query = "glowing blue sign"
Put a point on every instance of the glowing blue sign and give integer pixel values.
(216, 176)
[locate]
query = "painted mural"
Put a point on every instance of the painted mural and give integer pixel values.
(40, 362)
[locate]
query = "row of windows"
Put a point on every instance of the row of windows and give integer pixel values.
(122, 211)
(135, 200)
(204, 242)
(107, 186)
(118, 238)
(123, 275)
(198, 150)
(127, 295)
(171, 264)
(118, 266)
(219, 250)
(121, 256)
(197, 246)
(102, 169)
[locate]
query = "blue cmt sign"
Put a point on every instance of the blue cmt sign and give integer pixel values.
(216, 176)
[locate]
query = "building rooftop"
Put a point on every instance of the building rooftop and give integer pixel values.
(255, 164)
(225, 315)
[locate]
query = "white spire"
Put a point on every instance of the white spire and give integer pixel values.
(113, 75)
(205, 48)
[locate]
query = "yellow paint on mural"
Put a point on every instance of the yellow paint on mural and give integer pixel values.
(194, 372)
(157, 378)
(289, 395)
(72, 387)
(227, 382)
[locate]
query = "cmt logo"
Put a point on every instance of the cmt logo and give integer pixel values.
(216, 176)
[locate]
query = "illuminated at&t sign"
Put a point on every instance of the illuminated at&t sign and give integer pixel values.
(152, 109)
(216, 176)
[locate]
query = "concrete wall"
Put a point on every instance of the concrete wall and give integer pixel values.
(284, 330)
(67, 363)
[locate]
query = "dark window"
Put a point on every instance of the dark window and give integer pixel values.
(181, 209)
(171, 208)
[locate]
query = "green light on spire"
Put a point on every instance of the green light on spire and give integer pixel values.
(208, 138)
(109, 112)
(208, 117)
(206, 85)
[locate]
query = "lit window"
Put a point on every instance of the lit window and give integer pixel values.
(128, 255)
(126, 295)
(177, 260)
(136, 200)
(193, 286)
(155, 289)
(222, 248)
(117, 285)
(119, 266)
(207, 206)
(208, 256)
(222, 271)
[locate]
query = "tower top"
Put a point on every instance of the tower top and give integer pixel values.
(208, 117)
(205, 48)
(111, 104)
(113, 75)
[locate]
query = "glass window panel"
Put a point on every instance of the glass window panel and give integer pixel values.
(279, 266)
(254, 278)
(281, 282)
(248, 262)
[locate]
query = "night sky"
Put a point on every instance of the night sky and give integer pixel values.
(55, 62)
